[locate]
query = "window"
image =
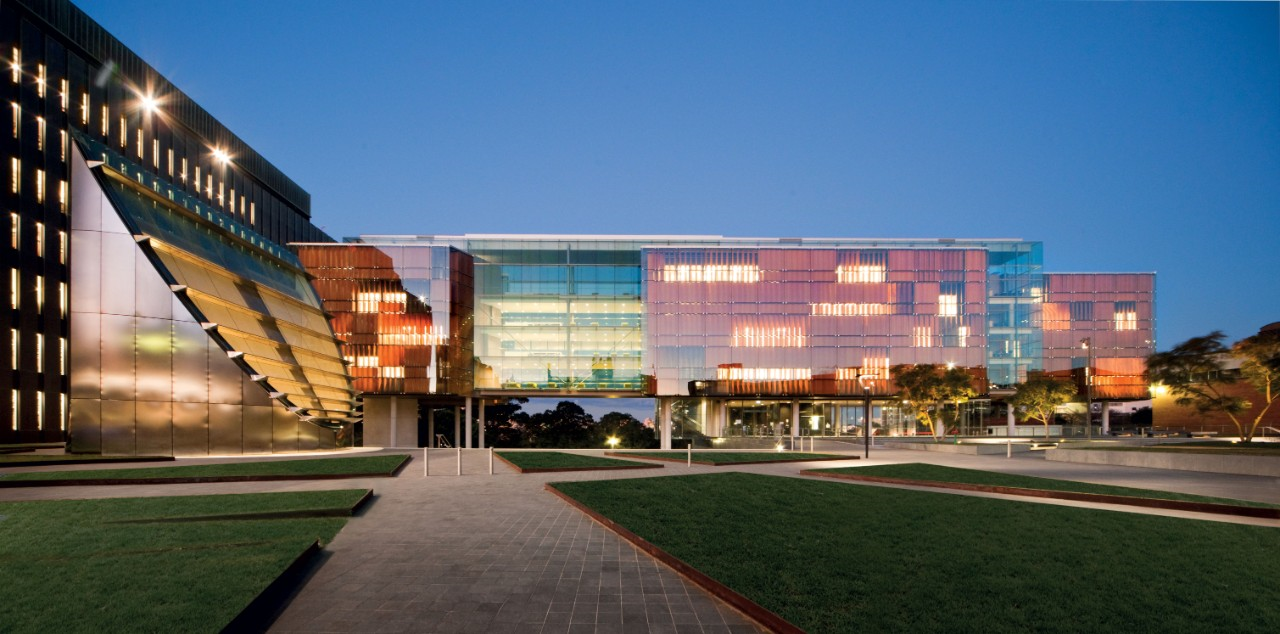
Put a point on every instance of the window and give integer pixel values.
(62, 412)
(39, 292)
(39, 239)
(14, 289)
(62, 298)
(15, 168)
(62, 145)
(39, 352)
(124, 132)
(106, 122)
(860, 273)
(64, 94)
(184, 170)
(15, 68)
(84, 108)
(62, 247)
(16, 413)
(1081, 311)
(392, 372)
(141, 144)
(40, 80)
(13, 348)
(40, 410)
(17, 118)
(1126, 315)
(948, 305)
(39, 186)
(62, 196)
(40, 133)
(62, 356)
(15, 230)
(155, 153)
(170, 162)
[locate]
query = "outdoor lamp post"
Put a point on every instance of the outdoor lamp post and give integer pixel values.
(1087, 344)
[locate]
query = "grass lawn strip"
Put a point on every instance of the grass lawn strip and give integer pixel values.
(830, 557)
(46, 460)
(306, 469)
(723, 458)
(552, 461)
(127, 565)
(993, 482)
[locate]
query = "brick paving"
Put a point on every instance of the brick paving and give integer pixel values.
(499, 554)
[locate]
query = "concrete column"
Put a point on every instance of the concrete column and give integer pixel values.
(480, 426)
(1106, 418)
(1012, 424)
(795, 418)
(467, 427)
(664, 422)
(395, 429)
(836, 421)
(457, 426)
(431, 427)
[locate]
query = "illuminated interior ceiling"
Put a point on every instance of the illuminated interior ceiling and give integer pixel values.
(251, 296)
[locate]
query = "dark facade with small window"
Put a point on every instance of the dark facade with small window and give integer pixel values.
(63, 75)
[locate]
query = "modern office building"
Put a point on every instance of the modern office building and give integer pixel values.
(732, 336)
(152, 307)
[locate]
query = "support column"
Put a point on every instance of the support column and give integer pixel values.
(664, 422)
(836, 421)
(1012, 424)
(1106, 418)
(457, 426)
(395, 429)
(480, 426)
(467, 427)
(795, 418)
(431, 427)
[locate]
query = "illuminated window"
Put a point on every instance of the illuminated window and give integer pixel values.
(14, 423)
(62, 145)
(170, 162)
(763, 374)
(62, 247)
(17, 118)
(84, 108)
(860, 273)
(184, 170)
(14, 290)
(15, 181)
(155, 152)
(124, 132)
(221, 198)
(40, 80)
(1126, 315)
(64, 94)
(39, 292)
(208, 186)
(847, 309)
(781, 337)
(197, 179)
(13, 348)
(253, 213)
(39, 352)
(40, 133)
(366, 362)
(39, 186)
(40, 410)
(962, 335)
(232, 201)
(62, 356)
(948, 305)
(62, 196)
(39, 239)
(15, 230)
(735, 273)
(62, 298)
(140, 144)
(922, 337)
(15, 66)
(106, 122)
(62, 412)
(392, 372)
(876, 366)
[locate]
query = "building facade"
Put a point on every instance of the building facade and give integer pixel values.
(740, 336)
(152, 307)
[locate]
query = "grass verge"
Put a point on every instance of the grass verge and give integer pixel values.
(936, 473)
(829, 557)
(313, 468)
(43, 460)
(719, 458)
(129, 565)
(546, 461)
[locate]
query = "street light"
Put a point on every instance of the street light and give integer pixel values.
(1086, 343)
(866, 394)
(613, 442)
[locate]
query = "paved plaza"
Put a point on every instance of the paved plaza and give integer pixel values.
(481, 553)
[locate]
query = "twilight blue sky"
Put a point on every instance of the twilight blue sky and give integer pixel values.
(1125, 136)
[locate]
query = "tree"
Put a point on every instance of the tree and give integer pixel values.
(1196, 372)
(919, 389)
(631, 433)
(955, 386)
(566, 426)
(1039, 396)
(504, 423)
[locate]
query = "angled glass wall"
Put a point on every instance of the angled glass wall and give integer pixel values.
(1015, 291)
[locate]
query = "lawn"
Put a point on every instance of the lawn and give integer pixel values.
(936, 473)
(266, 469)
(559, 460)
(830, 557)
(734, 457)
(30, 459)
(126, 565)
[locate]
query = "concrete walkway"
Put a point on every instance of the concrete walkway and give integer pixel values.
(482, 553)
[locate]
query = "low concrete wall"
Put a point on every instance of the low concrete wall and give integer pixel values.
(972, 449)
(1212, 463)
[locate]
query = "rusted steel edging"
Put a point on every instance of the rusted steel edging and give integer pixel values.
(1102, 498)
(747, 607)
(520, 469)
(11, 484)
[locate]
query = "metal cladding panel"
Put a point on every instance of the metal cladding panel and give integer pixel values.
(225, 428)
(118, 428)
(86, 281)
(284, 434)
(86, 198)
(309, 437)
(117, 269)
(117, 357)
(86, 435)
(190, 363)
(154, 434)
(86, 357)
(257, 428)
(191, 434)
(152, 295)
(225, 377)
(154, 359)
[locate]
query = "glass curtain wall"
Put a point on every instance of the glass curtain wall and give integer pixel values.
(1015, 293)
